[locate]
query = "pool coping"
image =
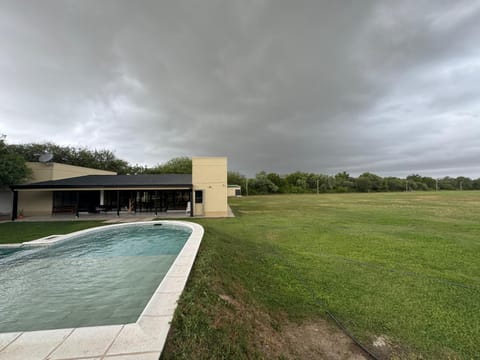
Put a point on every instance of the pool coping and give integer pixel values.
(143, 340)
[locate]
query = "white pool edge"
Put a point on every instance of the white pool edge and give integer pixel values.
(143, 339)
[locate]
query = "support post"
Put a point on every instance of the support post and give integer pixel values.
(77, 204)
(118, 202)
(14, 205)
(192, 198)
(135, 197)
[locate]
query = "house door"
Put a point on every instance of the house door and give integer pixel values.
(198, 211)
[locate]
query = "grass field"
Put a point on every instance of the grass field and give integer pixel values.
(17, 232)
(401, 266)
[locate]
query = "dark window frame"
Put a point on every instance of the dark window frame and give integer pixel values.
(198, 196)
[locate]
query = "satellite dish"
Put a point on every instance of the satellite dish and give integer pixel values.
(44, 158)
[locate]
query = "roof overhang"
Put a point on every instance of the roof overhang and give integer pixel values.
(112, 182)
(94, 187)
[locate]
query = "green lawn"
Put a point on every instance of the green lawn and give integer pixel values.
(17, 232)
(404, 266)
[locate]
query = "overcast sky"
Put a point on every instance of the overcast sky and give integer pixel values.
(390, 87)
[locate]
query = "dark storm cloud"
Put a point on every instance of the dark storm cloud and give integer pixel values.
(275, 85)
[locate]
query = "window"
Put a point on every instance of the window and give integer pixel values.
(198, 196)
(64, 198)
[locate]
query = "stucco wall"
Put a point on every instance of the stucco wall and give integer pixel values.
(210, 175)
(35, 203)
(56, 171)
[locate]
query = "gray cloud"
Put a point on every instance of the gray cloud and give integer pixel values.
(274, 85)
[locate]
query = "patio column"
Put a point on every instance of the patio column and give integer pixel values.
(192, 205)
(118, 202)
(102, 197)
(14, 205)
(135, 196)
(77, 204)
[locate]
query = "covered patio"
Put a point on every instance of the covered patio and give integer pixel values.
(106, 195)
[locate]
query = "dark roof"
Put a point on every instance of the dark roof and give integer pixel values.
(113, 181)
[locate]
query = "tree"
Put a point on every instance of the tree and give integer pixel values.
(364, 184)
(394, 184)
(370, 182)
(235, 178)
(325, 183)
(429, 182)
(344, 183)
(417, 182)
(279, 181)
(464, 183)
(177, 165)
(447, 183)
(476, 184)
(377, 182)
(12, 166)
(297, 182)
(137, 169)
(261, 185)
(97, 159)
(311, 181)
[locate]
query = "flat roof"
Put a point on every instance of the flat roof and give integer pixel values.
(113, 181)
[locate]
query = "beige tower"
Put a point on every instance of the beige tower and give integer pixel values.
(209, 179)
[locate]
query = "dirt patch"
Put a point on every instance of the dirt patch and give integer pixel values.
(281, 339)
(313, 340)
(319, 339)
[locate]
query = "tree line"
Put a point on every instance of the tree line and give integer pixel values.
(13, 158)
(304, 183)
(13, 170)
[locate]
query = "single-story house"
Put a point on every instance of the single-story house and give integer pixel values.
(234, 190)
(63, 188)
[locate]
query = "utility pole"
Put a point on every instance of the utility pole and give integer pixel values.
(317, 187)
(246, 186)
(461, 185)
(436, 184)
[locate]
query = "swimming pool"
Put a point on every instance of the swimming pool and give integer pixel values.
(99, 277)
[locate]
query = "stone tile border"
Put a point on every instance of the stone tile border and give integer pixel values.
(143, 340)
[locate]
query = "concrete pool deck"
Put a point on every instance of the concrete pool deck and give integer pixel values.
(142, 340)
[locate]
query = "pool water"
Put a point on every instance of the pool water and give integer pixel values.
(9, 250)
(105, 277)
